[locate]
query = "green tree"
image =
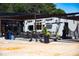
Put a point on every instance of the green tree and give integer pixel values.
(19, 8)
(31, 8)
(3, 7)
(10, 8)
(58, 11)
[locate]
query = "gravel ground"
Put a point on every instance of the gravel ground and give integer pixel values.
(20, 47)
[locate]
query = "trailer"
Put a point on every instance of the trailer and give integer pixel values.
(54, 25)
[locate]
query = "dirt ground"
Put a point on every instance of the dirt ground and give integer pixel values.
(25, 48)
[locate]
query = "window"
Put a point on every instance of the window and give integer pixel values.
(48, 19)
(38, 20)
(38, 26)
(49, 26)
(29, 21)
(30, 27)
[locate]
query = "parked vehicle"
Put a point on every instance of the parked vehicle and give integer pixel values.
(54, 25)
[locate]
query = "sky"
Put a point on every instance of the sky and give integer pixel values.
(68, 7)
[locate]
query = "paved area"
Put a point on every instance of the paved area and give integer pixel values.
(23, 47)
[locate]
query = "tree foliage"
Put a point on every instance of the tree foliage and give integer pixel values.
(58, 11)
(31, 8)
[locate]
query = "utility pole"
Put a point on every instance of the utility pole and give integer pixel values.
(34, 12)
(35, 24)
(0, 27)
